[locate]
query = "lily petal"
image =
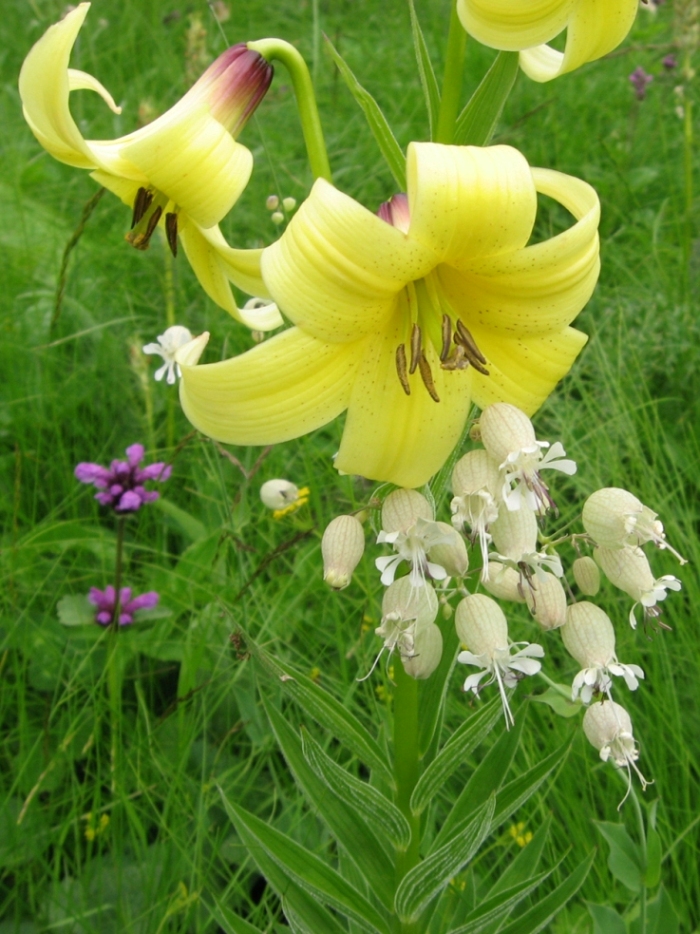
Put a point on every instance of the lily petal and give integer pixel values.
(466, 202)
(391, 436)
(524, 371)
(501, 24)
(339, 267)
(283, 388)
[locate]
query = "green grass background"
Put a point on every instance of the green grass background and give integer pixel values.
(79, 389)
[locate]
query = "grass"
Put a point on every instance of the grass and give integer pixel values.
(76, 387)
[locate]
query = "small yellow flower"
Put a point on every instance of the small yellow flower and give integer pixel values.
(301, 500)
(315, 674)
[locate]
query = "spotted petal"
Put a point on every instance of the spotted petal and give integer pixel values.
(285, 387)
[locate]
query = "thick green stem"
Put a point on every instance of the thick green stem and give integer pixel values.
(281, 51)
(643, 843)
(121, 526)
(406, 770)
(452, 80)
(114, 673)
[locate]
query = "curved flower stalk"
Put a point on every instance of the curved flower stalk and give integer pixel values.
(406, 318)
(593, 28)
(184, 171)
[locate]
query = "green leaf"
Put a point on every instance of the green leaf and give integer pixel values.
(382, 813)
(432, 691)
(539, 916)
(228, 922)
(378, 124)
(517, 792)
(561, 705)
(661, 915)
(344, 821)
(428, 81)
(496, 909)
(652, 876)
(424, 881)
(192, 528)
(75, 610)
(625, 860)
(486, 778)
(465, 739)
(477, 122)
(606, 920)
(305, 869)
(327, 711)
(525, 864)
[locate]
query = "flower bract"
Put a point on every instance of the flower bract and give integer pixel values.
(407, 318)
(184, 171)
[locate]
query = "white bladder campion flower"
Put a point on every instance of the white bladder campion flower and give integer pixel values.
(588, 636)
(615, 518)
(629, 570)
(408, 525)
(169, 342)
(515, 539)
(476, 485)
(608, 727)
(482, 627)
(508, 436)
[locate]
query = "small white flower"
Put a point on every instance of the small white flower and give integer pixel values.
(476, 487)
(169, 342)
(629, 570)
(608, 727)
(482, 627)
(414, 546)
(615, 518)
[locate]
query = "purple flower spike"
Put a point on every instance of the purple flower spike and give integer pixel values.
(104, 600)
(639, 79)
(121, 484)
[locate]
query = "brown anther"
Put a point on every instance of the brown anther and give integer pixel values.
(446, 338)
(142, 202)
(143, 241)
(457, 361)
(416, 348)
(427, 377)
(171, 231)
(401, 368)
(463, 338)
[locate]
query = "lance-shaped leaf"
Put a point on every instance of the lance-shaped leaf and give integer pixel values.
(378, 124)
(517, 792)
(424, 881)
(228, 922)
(453, 754)
(496, 909)
(327, 711)
(525, 864)
(538, 917)
(382, 813)
(305, 869)
(343, 819)
(428, 82)
(477, 122)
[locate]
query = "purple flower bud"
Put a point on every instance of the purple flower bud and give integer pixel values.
(122, 484)
(104, 603)
(670, 62)
(639, 79)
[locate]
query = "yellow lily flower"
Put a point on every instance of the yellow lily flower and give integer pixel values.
(184, 171)
(593, 28)
(404, 318)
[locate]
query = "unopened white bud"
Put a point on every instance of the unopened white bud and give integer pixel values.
(342, 546)
(587, 576)
(615, 518)
(427, 652)
(403, 508)
(289, 204)
(451, 555)
(272, 202)
(504, 429)
(481, 625)
(546, 600)
(276, 494)
(504, 583)
(277, 218)
(515, 533)
(588, 635)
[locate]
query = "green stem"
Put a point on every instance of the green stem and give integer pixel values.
(114, 675)
(643, 842)
(452, 80)
(121, 526)
(406, 770)
(688, 184)
(281, 51)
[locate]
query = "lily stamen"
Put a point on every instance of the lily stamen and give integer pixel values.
(171, 231)
(142, 203)
(416, 348)
(402, 369)
(427, 377)
(446, 338)
(464, 339)
(142, 239)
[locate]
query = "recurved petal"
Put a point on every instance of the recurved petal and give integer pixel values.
(468, 202)
(215, 263)
(82, 81)
(523, 371)
(394, 437)
(44, 86)
(541, 287)
(337, 268)
(285, 387)
(503, 24)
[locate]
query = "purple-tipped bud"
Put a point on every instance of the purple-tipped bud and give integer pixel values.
(670, 62)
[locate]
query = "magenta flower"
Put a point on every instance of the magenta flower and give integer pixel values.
(104, 601)
(639, 79)
(670, 62)
(122, 483)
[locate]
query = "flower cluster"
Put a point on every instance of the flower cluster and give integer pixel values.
(105, 604)
(121, 485)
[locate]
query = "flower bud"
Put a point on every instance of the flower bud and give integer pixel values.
(403, 508)
(451, 555)
(278, 494)
(504, 583)
(427, 652)
(272, 202)
(505, 429)
(481, 625)
(588, 635)
(289, 204)
(342, 546)
(515, 533)
(604, 725)
(615, 518)
(587, 576)
(546, 600)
